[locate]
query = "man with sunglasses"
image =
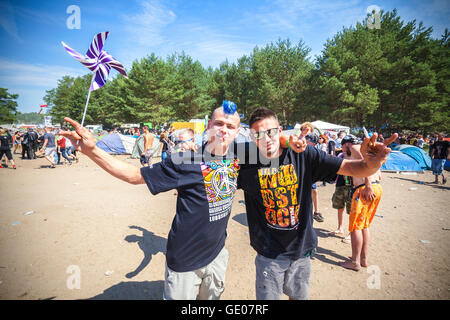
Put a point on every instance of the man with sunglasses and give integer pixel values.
(277, 192)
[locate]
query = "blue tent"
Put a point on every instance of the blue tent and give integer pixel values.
(117, 143)
(422, 158)
(399, 161)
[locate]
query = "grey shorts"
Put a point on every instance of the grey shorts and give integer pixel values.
(50, 151)
(282, 275)
(207, 283)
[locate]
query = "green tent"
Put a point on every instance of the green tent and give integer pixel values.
(139, 147)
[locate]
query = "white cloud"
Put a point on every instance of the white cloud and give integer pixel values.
(146, 27)
(15, 73)
(7, 20)
(31, 81)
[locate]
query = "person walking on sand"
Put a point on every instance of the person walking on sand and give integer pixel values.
(61, 141)
(341, 199)
(166, 145)
(5, 147)
(147, 154)
(439, 154)
(49, 147)
(365, 200)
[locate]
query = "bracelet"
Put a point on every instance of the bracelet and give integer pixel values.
(287, 142)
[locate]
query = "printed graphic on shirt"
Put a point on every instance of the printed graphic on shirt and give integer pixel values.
(220, 177)
(279, 193)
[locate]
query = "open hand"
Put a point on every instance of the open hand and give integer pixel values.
(367, 194)
(376, 153)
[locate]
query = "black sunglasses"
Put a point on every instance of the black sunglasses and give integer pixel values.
(270, 133)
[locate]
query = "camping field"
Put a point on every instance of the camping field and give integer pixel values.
(75, 232)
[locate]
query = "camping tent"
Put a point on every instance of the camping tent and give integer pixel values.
(326, 126)
(138, 147)
(321, 125)
(399, 161)
(421, 157)
(117, 143)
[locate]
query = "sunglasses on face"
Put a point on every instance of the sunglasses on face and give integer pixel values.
(270, 133)
(183, 141)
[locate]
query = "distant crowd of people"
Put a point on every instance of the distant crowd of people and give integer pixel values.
(33, 143)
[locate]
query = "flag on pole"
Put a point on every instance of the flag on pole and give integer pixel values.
(42, 108)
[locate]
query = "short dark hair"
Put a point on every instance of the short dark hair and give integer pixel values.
(350, 138)
(146, 127)
(313, 137)
(261, 114)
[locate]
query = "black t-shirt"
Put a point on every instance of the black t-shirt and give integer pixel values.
(206, 187)
(5, 141)
(278, 200)
(440, 149)
(165, 146)
(332, 147)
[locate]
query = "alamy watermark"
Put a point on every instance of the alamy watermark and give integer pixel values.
(373, 21)
(74, 280)
(74, 20)
(374, 281)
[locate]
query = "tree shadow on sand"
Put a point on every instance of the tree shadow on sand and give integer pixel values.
(133, 290)
(150, 244)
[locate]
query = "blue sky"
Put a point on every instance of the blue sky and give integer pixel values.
(32, 58)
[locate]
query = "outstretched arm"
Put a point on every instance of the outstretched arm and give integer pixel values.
(374, 155)
(84, 142)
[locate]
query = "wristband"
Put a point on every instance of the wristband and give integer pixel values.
(287, 142)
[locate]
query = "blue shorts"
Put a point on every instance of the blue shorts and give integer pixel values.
(437, 165)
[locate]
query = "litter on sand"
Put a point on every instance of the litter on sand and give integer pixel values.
(425, 241)
(379, 215)
(409, 173)
(108, 272)
(28, 213)
(412, 189)
(15, 223)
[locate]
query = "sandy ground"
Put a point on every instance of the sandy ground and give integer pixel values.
(92, 236)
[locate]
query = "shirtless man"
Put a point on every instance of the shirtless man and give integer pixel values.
(366, 197)
(147, 154)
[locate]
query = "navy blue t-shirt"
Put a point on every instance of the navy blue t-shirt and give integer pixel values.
(206, 187)
(278, 200)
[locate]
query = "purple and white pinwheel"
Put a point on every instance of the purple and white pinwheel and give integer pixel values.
(97, 60)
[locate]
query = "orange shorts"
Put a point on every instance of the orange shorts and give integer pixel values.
(363, 211)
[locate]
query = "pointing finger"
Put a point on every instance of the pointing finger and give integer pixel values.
(74, 123)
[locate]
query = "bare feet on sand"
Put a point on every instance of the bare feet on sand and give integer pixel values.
(363, 261)
(336, 232)
(352, 265)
